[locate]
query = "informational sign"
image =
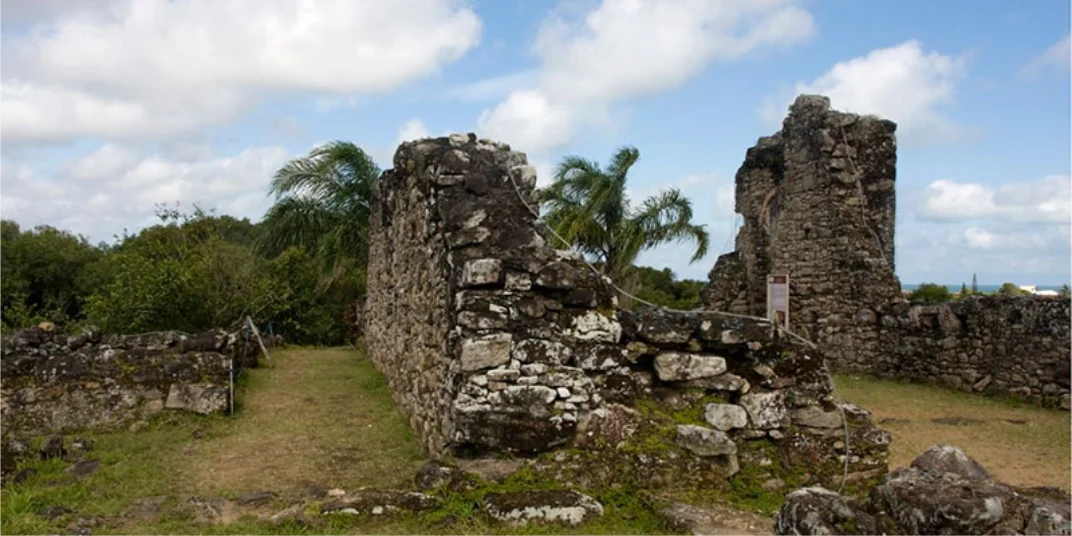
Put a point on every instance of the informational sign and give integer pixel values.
(778, 299)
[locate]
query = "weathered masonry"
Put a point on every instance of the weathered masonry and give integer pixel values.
(818, 202)
(55, 383)
(493, 341)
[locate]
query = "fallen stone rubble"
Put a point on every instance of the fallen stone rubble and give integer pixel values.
(943, 491)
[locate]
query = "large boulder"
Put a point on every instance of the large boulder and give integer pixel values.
(943, 492)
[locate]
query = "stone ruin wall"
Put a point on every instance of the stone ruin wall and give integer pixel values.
(492, 341)
(818, 202)
(53, 383)
(1016, 346)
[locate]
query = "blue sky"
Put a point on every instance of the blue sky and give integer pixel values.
(110, 106)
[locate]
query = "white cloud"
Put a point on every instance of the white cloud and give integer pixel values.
(494, 88)
(411, 130)
(114, 187)
(530, 121)
(37, 11)
(175, 66)
(1021, 253)
(903, 83)
(105, 162)
(1046, 200)
(630, 48)
(976, 238)
(1058, 56)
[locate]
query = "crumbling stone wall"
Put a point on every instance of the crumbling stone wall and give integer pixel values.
(818, 202)
(492, 341)
(997, 345)
(55, 383)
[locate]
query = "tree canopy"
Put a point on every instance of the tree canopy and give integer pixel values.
(589, 207)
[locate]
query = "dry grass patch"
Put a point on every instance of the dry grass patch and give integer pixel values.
(1017, 443)
(321, 417)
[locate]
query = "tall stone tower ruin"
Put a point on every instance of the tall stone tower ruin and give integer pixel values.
(818, 204)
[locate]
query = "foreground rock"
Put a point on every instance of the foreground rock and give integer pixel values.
(521, 507)
(942, 492)
(380, 502)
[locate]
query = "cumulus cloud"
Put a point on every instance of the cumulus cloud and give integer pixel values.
(16, 12)
(411, 130)
(175, 66)
(996, 252)
(114, 187)
(492, 89)
(1046, 200)
(977, 238)
(903, 83)
(1058, 56)
(629, 48)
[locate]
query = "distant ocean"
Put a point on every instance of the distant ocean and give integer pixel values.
(982, 288)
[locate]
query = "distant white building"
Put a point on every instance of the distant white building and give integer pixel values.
(1033, 289)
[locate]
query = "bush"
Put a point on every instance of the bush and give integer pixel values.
(47, 275)
(931, 293)
(1010, 289)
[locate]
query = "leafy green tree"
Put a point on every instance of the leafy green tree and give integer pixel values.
(1010, 289)
(323, 202)
(47, 274)
(305, 314)
(588, 206)
(662, 288)
(963, 290)
(181, 274)
(1065, 293)
(975, 285)
(930, 293)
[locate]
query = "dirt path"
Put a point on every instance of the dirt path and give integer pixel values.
(320, 417)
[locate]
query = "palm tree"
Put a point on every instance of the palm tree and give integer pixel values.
(588, 206)
(323, 204)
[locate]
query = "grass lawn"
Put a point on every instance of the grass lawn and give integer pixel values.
(321, 417)
(1017, 443)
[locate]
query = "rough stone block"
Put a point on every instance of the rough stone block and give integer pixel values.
(595, 326)
(766, 410)
(703, 441)
(485, 352)
(521, 507)
(481, 272)
(816, 417)
(678, 366)
(541, 351)
(725, 416)
(201, 398)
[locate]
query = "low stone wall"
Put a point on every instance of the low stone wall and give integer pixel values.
(55, 383)
(1015, 346)
(493, 341)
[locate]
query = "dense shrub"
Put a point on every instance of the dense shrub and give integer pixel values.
(931, 293)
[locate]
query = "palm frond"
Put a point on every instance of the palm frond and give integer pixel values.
(667, 217)
(623, 159)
